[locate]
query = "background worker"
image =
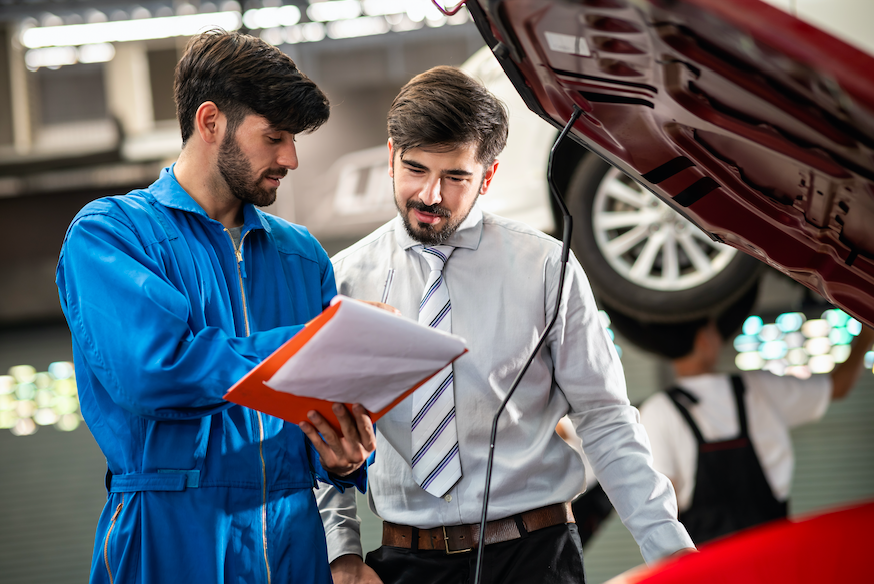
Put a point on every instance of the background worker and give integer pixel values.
(724, 440)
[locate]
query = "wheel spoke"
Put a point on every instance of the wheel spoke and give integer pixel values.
(607, 221)
(642, 267)
(622, 192)
(699, 258)
(701, 236)
(670, 259)
(626, 241)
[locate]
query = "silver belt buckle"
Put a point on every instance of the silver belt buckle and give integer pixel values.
(446, 544)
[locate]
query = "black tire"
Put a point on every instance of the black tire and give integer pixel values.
(676, 293)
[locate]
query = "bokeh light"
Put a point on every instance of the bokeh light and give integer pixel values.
(30, 399)
(605, 322)
(753, 325)
(797, 345)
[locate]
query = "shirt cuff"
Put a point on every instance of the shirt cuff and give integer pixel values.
(664, 541)
(343, 541)
(357, 479)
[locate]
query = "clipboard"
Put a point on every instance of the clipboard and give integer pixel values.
(254, 392)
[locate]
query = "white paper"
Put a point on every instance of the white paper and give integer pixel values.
(366, 355)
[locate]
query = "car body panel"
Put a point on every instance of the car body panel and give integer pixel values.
(756, 126)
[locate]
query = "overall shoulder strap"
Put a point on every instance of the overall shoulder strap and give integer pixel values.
(678, 395)
(737, 385)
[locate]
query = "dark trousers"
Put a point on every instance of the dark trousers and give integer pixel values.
(552, 555)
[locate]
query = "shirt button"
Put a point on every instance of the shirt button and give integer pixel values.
(448, 498)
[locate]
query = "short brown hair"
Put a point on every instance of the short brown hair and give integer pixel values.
(446, 107)
(242, 74)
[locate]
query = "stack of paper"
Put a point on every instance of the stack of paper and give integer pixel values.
(351, 353)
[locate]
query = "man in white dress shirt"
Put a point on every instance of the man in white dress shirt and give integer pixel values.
(445, 132)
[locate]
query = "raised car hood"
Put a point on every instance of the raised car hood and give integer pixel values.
(757, 127)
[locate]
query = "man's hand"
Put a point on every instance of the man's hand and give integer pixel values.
(342, 455)
(350, 569)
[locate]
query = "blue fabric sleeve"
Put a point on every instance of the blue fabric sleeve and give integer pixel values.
(130, 325)
(357, 479)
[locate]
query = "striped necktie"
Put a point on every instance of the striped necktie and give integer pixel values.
(436, 464)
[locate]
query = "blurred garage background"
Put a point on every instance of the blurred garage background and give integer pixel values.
(92, 115)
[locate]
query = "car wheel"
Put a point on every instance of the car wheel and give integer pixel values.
(644, 258)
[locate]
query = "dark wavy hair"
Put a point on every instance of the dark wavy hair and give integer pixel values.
(676, 340)
(446, 108)
(242, 74)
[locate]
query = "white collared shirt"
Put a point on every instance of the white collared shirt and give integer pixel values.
(502, 280)
(774, 406)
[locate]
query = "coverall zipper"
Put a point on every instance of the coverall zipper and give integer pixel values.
(106, 540)
(238, 252)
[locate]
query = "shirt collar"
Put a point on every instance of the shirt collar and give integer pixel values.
(170, 193)
(467, 235)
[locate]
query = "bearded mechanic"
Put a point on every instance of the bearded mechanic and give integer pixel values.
(172, 294)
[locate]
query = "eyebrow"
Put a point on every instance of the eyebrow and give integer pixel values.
(451, 171)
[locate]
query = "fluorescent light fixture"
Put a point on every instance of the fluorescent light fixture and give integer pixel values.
(752, 325)
(840, 353)
(96, 53)
(54, 57)
(271, 17)
(359, 27)
(750, 361)
(128, 30)
(790, 321)
(383, 7)
(334, 10)
(818, 327)
(769, 332)
(818, 346)
(783, 349)
(50, 57)
(821, 364)
(419, 10)
(273, 36)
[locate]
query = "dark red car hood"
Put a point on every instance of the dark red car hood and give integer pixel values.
(757, 127)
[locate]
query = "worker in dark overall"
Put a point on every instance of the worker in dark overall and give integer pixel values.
(724, 441)
(731, 490)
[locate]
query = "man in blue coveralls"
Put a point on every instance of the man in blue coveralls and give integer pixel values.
(172, 294)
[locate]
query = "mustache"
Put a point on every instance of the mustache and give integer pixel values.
(433, 209)
(275, 172)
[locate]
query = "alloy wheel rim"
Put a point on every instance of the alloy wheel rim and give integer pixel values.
(650, 244)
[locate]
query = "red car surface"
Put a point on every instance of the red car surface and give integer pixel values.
(753, 125)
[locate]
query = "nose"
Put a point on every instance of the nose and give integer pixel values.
(430, 194)
(287, 156)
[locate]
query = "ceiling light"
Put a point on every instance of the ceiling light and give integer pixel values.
(128, 30)
(335, 10)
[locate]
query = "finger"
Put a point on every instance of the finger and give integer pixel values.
(365, 427)
(314, 437)
(328, 434)
(347, 423)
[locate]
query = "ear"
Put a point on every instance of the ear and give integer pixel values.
(209, 123)
(488, 176)
(391, 159)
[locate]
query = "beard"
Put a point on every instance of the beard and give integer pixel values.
(426, 233)
(237, 172)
